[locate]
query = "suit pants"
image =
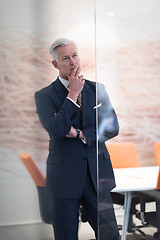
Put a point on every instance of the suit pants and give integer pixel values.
(65, 214)
(108, 229)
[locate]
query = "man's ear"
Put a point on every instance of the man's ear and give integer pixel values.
(54, 62)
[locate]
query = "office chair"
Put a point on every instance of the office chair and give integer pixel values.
(124, 155)
(151, 219)
(40, 182)
(157, 152)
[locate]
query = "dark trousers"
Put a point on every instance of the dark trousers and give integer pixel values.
(108, 229)
(65, 214)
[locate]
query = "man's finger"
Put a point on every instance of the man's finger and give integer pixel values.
(77, 72)
(74, 72)
(81, 77)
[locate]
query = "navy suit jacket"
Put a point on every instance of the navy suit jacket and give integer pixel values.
(68, 157)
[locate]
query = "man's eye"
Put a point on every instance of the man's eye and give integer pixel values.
(65, 58)
(75, 55)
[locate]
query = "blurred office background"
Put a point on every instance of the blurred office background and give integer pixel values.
(119, 45)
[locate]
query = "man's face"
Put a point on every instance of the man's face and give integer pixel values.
(67, 60)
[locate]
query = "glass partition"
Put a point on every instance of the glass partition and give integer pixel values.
(118, 45)
(127, 46)
(27, 30)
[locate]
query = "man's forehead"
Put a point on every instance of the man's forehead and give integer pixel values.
(68, 49)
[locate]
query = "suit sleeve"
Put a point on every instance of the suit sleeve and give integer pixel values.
(108, 126)
(55, 121)
(90, 135)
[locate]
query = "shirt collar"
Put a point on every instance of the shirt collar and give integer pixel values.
(64, 82)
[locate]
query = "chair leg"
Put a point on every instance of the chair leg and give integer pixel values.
(157, 234)
(130, 224)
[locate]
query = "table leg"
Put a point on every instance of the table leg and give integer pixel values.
(127, 206)
(158, 213)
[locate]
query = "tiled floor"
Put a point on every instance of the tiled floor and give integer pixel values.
(86, 233)
(42, 231)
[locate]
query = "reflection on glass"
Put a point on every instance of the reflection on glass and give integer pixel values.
(127, 46)
(108, 128)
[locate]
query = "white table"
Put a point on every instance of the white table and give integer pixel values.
(130, 180)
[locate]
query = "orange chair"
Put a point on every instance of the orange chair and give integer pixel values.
(38, 178)
(157, 152)
(158, 181)
(123, 155)
(152, 218)
(40, 182)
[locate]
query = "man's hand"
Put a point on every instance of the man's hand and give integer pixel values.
(76, 83)
(73, 133)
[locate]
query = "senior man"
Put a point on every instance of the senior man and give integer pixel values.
(67, 109)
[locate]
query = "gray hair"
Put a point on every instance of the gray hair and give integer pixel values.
(58, 43)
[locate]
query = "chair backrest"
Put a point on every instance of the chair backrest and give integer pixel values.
(157, 152)
(123, 155)
(36, 174)
(158, 180)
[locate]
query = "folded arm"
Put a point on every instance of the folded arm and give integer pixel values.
(55, 121)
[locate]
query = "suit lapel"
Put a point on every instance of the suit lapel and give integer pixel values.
(61, 91)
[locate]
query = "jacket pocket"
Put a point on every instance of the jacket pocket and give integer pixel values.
(54, 159)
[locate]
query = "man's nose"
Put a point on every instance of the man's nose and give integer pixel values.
(72, 61)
